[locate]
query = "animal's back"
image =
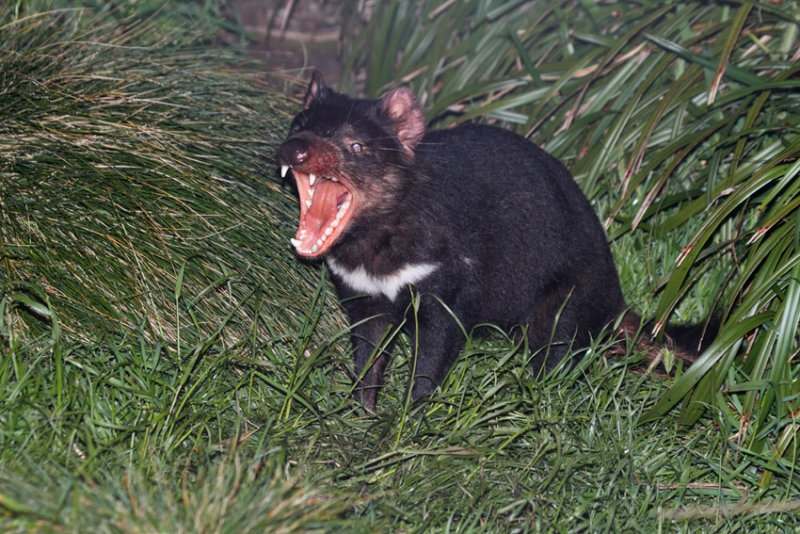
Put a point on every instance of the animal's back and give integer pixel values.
(518, 216)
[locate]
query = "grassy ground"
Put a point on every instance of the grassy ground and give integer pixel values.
(169, 366)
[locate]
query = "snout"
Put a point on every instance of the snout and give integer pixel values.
(294, 151)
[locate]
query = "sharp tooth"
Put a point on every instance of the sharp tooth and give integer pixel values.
(311, 179)
(308, 203)
(295, 243)
(284, 170)
(310, 192)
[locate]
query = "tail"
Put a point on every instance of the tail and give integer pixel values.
(685, 341)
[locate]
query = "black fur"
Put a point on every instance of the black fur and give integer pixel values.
(511, 235)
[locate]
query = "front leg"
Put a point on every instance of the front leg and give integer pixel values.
(438, 338)
(372, 322)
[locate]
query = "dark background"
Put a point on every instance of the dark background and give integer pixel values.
(292, 34)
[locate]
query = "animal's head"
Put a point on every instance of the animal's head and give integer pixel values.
(348, 157)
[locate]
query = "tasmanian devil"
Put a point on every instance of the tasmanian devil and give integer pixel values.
(476, 223)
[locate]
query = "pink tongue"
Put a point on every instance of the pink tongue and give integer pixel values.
(317, 218)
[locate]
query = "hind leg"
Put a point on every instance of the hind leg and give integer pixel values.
(568, 320)
(552, 341)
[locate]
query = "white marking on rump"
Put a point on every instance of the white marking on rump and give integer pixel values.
(387, 284)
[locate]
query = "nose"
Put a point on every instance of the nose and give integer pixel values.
(294, 152)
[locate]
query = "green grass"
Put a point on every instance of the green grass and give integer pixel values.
(168, 365)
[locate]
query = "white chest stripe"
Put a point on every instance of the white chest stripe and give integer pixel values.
(388, 284)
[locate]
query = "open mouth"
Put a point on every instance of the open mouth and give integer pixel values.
(326, 206)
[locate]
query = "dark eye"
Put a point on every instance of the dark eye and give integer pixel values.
(356, 147)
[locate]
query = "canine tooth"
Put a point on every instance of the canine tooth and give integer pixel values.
(295, 243)
(311, 179)
(284, 170)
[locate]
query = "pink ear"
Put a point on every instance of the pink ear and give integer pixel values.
(409, 124)
(315, 87)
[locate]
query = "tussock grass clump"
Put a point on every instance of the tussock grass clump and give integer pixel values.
(136, 186)
(229, 495)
